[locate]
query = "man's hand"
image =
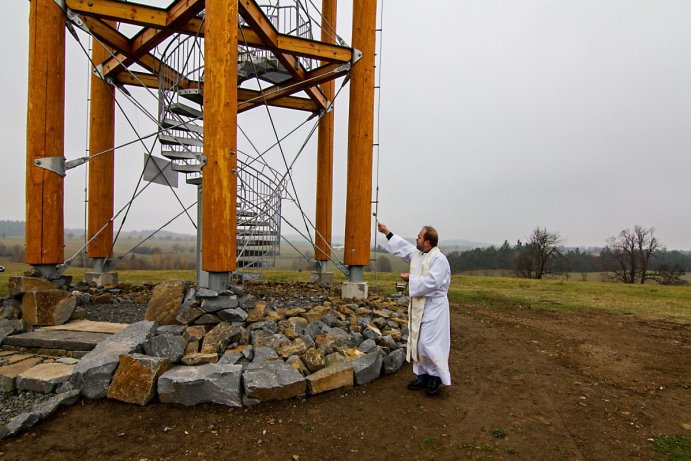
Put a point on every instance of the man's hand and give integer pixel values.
(383, 228)
(405, 276)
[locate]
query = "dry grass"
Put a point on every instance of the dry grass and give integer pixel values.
(653, 302)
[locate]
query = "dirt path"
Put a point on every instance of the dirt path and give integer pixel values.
(527, 385)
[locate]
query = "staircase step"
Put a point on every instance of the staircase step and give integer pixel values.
(55, 339)
(254, 253)
(245, 213)
(183, 109)
(179, 141)
(181, 155)
(252, 222)
(252, 233)
(265, 68)
(186, 167)
(193, 94)
(194, 180)
(182, 126)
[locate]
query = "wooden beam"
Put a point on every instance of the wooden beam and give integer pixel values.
(147, 39)
(312, 79)
(128, 13)
(45, 127)
(106, 34)
(325, 149)
(219, 191)
(102, 167)
(247, 99)
(360, 137)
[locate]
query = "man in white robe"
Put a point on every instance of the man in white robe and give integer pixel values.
(429, 323)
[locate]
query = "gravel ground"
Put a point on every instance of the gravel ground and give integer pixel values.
(116, 313)
(13, 404)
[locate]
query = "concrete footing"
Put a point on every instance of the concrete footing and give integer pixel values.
(325, 279)
(354, 290)
(102, 279)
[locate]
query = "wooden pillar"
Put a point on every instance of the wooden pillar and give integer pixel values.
(45, 133)
(219, 192)
(325, 148)
(360, 136)
(101, 168)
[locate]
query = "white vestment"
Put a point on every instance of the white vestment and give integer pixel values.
(428, 286)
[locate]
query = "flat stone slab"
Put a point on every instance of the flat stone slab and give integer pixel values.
(89, 326)
(57, 339)
(9, 373)
(44, 377)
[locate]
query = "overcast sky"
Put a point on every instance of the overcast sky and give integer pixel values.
(496, 117)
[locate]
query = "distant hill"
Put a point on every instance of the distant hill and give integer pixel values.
(17, 229)
(11, 228)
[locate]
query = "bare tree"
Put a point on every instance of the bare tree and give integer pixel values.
(534, 257)
(545, 245)
(627, 257)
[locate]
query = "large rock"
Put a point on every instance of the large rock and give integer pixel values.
(219, 303)
(10, 309)
(169, 346)
(272, 380)
(205, 383)
(94, 371)
(48, 307)
(336, 376)
(232, 315)
(165, 302)
(197, 358)
(368, 367)
(136, 377)
(10, 327)
(332, 341)
(394, 361)
(19, 285)
(314, 359)
(297, 347)
(44, 377)
(216, 340)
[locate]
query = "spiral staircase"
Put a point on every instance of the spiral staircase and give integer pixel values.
(181, 116)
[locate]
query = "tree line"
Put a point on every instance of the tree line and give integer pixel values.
(634, 256)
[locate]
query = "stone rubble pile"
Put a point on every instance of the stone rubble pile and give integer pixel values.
(232, 348)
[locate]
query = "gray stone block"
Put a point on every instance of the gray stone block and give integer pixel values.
(266, 325)
(273, 380)
(95, 370)
(316, 328)
(171, 329)
(205, 383)
(368, 367)
(230, 358)
(10, 327)
(171, 347)
(263, 354)
(232, 315)
(219, 303)
(394, 361)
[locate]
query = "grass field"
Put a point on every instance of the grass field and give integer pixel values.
(651, 302)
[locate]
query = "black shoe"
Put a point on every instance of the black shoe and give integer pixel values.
(433, 385)
(420, 382)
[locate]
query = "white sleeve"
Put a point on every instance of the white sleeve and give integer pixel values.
(400, 247)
